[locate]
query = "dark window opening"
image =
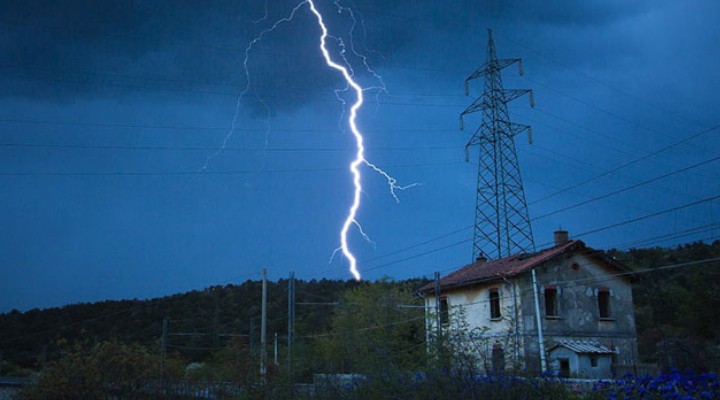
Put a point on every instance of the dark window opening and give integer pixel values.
(444, 311)
(604, 303)
(551, 302)
(593, 360)
(564, 367)
(495, 304)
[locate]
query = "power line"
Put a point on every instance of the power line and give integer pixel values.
(369, 328)
(543, 245)
(605, 278)
(225, 48)
(198, 128)
(401, 250)
(189, 173)
(625, 165)
(647, 216)
(402, 259)
(602, 83)
(603, 110)
(189, 81)
(668, 236)
(332, 100)
(209, 148)
(625, 189)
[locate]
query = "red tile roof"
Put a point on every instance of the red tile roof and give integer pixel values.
(478, 272)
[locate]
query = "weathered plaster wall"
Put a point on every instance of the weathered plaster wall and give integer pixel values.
(470, 313)
(578, 312)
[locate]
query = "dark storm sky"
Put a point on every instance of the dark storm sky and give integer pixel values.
(108, 110)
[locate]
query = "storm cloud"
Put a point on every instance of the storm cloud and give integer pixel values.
(113, 49)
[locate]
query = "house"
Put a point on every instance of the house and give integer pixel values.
(567, 308)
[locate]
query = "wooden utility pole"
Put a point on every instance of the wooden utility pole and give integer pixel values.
(263, 326)
(163, 349)
(291, 328)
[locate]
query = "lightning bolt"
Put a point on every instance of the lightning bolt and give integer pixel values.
(359, 141)
(348, 73)
(359, 155)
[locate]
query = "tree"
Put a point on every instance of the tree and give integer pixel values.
(372, 331)
(106, 369)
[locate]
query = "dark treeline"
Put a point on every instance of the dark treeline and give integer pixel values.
(677, 304)
(677, 312)
(200, 322)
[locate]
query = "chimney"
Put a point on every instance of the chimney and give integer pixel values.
(561, 237)
(481, 259)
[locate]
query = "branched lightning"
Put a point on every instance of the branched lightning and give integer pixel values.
(346, 70)
(342, 9)
(248, 85)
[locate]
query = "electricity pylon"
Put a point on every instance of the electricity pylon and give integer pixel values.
(502, 224)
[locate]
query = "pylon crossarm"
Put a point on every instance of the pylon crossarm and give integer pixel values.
(517, 129)
(487, 68)
(512, 94)
(482, 71)
(477, 105)
(473, 141)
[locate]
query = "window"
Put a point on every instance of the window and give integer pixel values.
(551, 301)
(604, 302)
(593, 360)
(444, 311)
(495, 304)
(564, 367)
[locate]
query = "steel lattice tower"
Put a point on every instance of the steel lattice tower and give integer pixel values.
(502, 224)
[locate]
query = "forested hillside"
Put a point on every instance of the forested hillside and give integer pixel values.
(200, 322)
(677, 302)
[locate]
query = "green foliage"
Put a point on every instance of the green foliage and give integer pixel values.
(26, 336)
(374, 329)
(677, 309)
(106, 369)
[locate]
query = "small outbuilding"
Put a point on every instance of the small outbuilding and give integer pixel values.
(583, 359)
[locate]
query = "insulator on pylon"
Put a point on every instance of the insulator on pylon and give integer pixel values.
(467, 88)
(520, 68)
(461, 122)
(467, 153)
(530, 138)
(532, 99)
